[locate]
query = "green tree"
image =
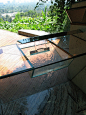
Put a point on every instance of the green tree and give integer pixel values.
(57, 13)
(1, 20)
(8, 18)
(17, 17)
(21, 14)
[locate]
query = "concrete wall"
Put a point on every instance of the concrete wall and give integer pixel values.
(77, 69)
(79, 4)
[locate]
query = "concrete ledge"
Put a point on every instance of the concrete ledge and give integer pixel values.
(32, 33)
(79, 4)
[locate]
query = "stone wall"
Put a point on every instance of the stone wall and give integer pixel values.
(77, 45)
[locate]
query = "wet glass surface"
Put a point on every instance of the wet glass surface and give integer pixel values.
(52, 55)
(39, 59)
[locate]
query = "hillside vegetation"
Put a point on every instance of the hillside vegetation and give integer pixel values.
(40, 19)
(42, 22)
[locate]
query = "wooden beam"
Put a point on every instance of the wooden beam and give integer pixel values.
(37, 38)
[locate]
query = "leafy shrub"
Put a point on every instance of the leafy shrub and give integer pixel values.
(43, 23)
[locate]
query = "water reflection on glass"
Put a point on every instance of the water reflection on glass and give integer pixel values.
(42, 58)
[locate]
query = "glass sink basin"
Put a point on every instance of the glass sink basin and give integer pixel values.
(45, 56)
(36, 58)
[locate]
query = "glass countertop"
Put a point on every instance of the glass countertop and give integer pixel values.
(45, 56)
(12, 61)
(36, 58)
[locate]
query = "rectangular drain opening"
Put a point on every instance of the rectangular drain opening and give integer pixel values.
(40, 50)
